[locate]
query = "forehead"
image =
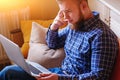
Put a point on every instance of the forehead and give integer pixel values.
(67, 5)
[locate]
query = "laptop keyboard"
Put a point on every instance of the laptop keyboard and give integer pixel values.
(33, 69)
(36, 68)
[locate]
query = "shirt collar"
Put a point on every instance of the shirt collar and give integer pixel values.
(90, 22)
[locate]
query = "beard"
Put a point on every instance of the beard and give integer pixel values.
(79, 24)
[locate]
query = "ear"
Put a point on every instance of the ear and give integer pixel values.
(85, 9)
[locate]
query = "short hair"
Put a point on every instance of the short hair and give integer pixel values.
(73, 0)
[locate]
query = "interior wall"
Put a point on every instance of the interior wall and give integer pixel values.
(92, 4)
(43, 9)
(39, 9)
(10, 5)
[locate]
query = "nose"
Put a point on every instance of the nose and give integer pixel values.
(66, 17)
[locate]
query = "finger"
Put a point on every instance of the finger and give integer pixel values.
(43, 75)
(58, 22)
(60, 13)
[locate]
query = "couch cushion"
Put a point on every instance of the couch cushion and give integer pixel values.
(39, 51)
(116, 71)
(24, 49)
(26, 31)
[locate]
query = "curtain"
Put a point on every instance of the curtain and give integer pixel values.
(11, 20)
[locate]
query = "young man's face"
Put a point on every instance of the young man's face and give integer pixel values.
(71, 11)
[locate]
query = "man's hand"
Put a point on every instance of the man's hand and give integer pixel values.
(58, 21)
(51, 76)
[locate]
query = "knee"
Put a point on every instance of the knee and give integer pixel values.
(6, 69)
(6, 72)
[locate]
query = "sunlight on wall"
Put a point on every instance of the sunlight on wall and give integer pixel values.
(43, 9)
(39, 9)
(6, 5)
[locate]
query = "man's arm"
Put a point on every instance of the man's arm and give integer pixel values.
(56, 39)
(104, 49)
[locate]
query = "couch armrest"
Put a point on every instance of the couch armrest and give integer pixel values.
(17, 37)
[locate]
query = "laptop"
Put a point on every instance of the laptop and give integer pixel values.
(15, 55)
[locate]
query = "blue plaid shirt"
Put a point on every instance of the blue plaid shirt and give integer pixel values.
(90, 52)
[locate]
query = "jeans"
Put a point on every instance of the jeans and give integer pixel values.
(14, 72)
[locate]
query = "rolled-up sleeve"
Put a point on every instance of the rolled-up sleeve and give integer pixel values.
(56, 39)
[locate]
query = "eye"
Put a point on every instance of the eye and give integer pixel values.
(67, 11)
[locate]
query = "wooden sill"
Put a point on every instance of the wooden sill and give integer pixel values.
(112, 4)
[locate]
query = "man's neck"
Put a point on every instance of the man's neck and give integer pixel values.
(88, 16)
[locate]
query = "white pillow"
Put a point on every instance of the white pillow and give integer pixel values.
(39, 51)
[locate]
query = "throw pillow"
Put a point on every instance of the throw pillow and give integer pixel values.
(39, 51)
(26, 26)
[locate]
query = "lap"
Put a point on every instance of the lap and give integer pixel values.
(56, 70)
(15, 72)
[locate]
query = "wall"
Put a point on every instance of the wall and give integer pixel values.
(43, 9)
(8, 5)
(39, 9)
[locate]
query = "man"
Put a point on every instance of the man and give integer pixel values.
(90, 46)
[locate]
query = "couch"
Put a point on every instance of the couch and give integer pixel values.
(24, 44)
(22, 36)
(116, 71)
